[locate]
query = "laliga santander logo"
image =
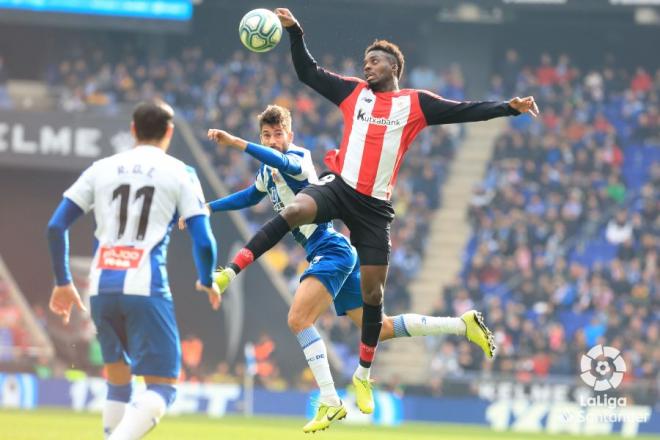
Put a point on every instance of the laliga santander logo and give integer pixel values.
(607, 364)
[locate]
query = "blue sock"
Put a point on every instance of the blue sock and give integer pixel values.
(400, 330)
(167, 392)
(308, 336)
(120, 393)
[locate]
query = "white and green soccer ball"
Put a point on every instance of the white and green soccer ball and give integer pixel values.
(260, 30)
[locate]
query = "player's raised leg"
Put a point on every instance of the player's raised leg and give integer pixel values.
(301, 212)
(477, 332)
(311, 300)
(470, 324)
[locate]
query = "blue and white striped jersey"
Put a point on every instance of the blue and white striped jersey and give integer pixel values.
(282, 189)
(136, 196)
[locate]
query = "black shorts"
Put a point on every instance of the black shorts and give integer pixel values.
(367, 218)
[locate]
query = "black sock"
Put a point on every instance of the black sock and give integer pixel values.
(372, 321)
(267, 237)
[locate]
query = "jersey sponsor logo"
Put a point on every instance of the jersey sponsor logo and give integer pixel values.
(119, 258)
(362, 116)
(326, 179)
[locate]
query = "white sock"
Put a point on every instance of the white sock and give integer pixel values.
(113, 411)
(230, 273)
(412, 324)
(317, 359)
(362, 373)
(115, 405)
(141, 416)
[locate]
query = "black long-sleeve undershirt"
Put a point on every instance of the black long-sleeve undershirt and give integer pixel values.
(436, 109)
(330, 85)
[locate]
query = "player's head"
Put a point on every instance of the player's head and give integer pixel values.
(275, 128)
(383, 64)
(152, 124)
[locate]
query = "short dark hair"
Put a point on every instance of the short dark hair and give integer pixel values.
(275, 115)
(151, 120)
(391, 49)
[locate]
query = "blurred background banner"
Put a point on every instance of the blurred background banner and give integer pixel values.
(217, 400)
(158, 9)
(58, 140)
(159, 15)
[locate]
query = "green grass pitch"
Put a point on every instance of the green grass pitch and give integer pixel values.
(46, 424)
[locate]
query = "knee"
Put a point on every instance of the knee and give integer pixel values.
(296, 214)
(118, 373)
(373, 296)
(296, 322)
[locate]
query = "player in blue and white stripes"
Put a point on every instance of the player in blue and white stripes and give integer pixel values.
(333, 275)
(136, 197)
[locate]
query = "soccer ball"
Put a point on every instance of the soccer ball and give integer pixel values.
(260, 30)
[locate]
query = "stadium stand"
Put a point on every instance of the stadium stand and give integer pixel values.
(564, 248)
(564, 251)
(210, 94)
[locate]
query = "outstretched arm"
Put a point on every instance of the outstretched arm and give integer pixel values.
(438, 110)
(332, 86)
(287, 163)
(245, 198)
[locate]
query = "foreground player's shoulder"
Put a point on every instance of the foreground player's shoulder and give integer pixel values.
(109, 160)
(191, 174)
(190, 194)
(101, 167)
(177, 165)
(183, 172)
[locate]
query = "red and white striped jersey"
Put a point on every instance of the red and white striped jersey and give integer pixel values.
(380, 126)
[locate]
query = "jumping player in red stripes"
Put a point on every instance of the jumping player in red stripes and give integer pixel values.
(380, 122)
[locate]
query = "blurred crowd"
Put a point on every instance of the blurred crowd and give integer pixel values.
(564, 252)
(223, 95)
(14, 337)
(565, 223)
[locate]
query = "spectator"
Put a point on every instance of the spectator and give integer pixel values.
(619, 229)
